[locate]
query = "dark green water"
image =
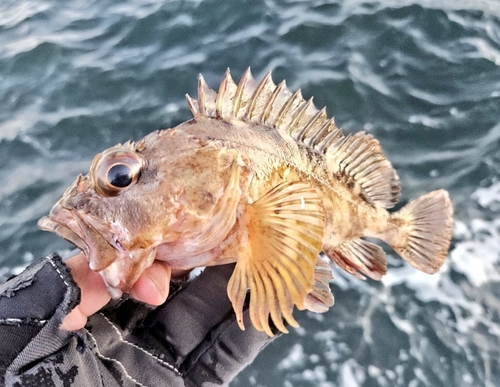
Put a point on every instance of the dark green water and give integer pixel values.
(422, 76)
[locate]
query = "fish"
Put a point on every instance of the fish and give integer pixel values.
(258, 177)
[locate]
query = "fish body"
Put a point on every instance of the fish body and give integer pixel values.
(259, 177)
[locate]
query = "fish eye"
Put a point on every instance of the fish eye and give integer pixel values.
(115, 171)
(120, 176)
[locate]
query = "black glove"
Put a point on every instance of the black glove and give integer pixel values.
(191, 340)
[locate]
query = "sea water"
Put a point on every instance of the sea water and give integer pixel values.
(422, 76)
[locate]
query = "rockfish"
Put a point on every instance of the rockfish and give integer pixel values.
(259, 177)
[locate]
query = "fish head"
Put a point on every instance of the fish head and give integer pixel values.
(119, 213)
(139, 196)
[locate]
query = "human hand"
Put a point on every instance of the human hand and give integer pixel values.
(152, 287)
(192, 339)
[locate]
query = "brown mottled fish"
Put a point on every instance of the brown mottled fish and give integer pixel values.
(259, 177)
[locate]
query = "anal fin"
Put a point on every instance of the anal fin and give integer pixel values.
(284, 230)
(359, 257)
(321, 297)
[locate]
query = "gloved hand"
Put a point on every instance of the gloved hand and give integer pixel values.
(190, 340)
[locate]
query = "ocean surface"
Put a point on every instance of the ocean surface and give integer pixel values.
(422, 76)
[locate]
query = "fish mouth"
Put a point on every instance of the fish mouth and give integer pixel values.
(79, 229)
(118, 267)
(48, 224)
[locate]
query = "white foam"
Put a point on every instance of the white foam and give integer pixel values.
(352, 374)
(489, 197)
(477, 256)
(295, 358)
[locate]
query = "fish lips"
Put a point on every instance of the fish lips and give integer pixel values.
(83, 231)
(118, 267)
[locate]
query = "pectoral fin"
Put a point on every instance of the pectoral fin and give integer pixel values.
(284, 230)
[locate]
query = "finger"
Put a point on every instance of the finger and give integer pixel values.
(94, 294)
(153, 285)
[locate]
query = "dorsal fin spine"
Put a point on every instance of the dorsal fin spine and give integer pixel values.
(201, 94)
(264, 91)
(298, 115)
(221, 94)
(330, 137)
(301, 135)
(272, 99)
(255, 96)
(311, 141)
(239, 91)
(286, 107)
(193, 105)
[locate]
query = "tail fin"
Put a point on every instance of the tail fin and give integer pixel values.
(425, 231)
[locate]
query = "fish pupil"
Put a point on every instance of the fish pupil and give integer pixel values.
(120, 176)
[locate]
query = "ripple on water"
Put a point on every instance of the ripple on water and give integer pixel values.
(421, 75)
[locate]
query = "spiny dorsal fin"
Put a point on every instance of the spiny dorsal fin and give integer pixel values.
(357, 158)
(267, 104)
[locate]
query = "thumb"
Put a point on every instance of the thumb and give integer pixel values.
(94, 294)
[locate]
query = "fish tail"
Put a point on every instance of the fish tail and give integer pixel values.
(425, 227)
